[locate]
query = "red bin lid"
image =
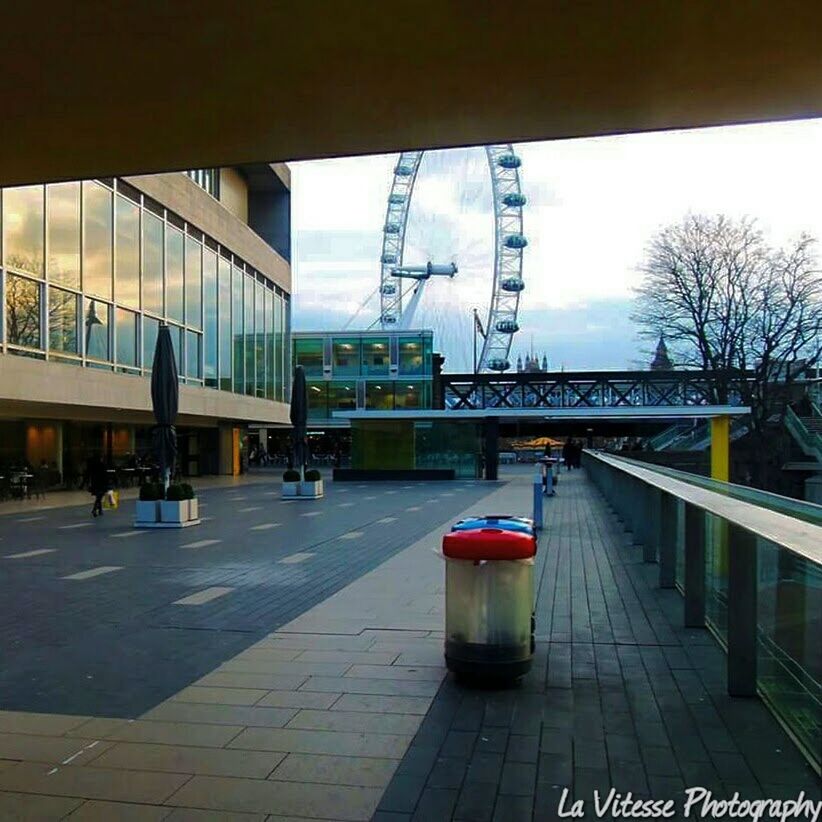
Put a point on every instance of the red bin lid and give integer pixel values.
(489, 543)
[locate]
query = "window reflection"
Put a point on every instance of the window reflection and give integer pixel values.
(126, 327)
(317, 400)
(308, 353)
(22, 311)
(237, 329)
(63, 234)
(193, 341)
(210, 315)
(224, 274)
(63, 321)
(96, 321)
(194, 276)
(174, 274)
(379, 396)
(248, 337)
(23, 228)
(410, 356)
(342, 396)
(152, 263)
(259, 329)
(177, 346)
(127, 256)
(97, 222)
(150, 330)
(269, 344)
(346, 352)
(375, 356)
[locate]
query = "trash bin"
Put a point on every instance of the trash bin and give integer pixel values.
(489, 598)
(504, 521)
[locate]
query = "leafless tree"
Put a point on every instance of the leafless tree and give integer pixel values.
(729, 303)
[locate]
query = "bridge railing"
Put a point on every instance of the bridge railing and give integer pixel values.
(751, 575)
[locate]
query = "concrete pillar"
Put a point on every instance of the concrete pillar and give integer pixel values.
(228, 444)
(491, 447)
(721, 448)
(694, 567)
(742, 612)
(668, 521)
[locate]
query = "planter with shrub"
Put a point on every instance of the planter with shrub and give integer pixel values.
(291, 484)
(148, 506)
(312, 486)
(176, 507)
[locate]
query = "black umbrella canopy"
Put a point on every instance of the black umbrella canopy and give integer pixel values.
(299, 416)
(165, 398)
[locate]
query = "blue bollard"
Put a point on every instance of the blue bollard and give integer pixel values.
(538, 498)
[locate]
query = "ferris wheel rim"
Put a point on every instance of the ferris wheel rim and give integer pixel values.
(509, 243)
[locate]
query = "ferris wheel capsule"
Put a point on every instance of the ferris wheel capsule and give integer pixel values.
(388, 288)
(507, 326)
(515, 241)
(389, 259)
(512, 284)
(499, 365)
(514, 200)
(396, 199)
(388, 319)
(509, 161)
(392, 228)
(403, 170)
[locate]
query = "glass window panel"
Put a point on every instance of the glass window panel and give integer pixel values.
(282, 343)
(193, 354)
(249, 337)
(375, 356)
(412, 395)
(22, 311)
(346, 354)
(259, 333)
(174, 273)
(152, 263)
(126, 328)
(127, 253)
(225, 324)
(411, 356)
(194, 278)
(175, 332)
(308, 352)
(210, 316)
(63, 321)
(97, 222)
(96, 323)
(150, 330)
(23, 228)
(238, 329)
(269, 344)
(317, 400)
(342, 396)
(63, 234)
(379, 395)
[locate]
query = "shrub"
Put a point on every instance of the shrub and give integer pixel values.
(312, 475)
(187, 490)
(291, 476)
(175, 493)
(151, 492)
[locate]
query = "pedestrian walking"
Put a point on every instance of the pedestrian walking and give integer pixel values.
(97, 485)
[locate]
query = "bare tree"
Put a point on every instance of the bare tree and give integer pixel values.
(730, 304)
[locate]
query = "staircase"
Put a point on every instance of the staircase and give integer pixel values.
(807, 431)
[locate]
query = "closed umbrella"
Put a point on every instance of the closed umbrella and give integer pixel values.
(299, 418)
(165, 397)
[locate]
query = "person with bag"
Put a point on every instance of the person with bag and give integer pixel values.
(98, 485)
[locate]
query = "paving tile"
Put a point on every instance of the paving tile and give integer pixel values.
(522, 748)
(98, 810)
(372, 703)
(40, 748)
(513, 809)
(447, 773)
(485, 767)
(163, 733)
(301, 699)
(355, 721)
(459, 744)
(321, 742)
(348, 657)
(435, 803)
(180, 759)
(403, 794)
(399, 672)
(260, 716)
(476, 802)
(228, 678)
(92, 783)
(357, 685)
(20, 722)
(259, 661)
(24, 807)
(418, 760)
(320, 642)
(284, 798)
(518, 779)
(335, 770)
(220, 696)
(197, 815)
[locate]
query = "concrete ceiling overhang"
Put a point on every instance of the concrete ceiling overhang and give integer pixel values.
(100, 88)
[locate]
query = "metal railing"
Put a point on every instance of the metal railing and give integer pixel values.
(751, 575)
(809, 441)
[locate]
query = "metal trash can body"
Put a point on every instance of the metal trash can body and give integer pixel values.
(489, 597)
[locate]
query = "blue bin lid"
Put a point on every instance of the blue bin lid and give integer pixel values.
(505, 522)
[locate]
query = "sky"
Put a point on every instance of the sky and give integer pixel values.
(593, 205)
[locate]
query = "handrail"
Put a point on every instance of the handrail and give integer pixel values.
(810, 442)
(799, 537)
(801, 509)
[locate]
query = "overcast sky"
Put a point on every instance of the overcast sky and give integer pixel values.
(592, 206)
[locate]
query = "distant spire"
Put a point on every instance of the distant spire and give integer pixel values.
(544, 362)
(519, 364)
(661, 361)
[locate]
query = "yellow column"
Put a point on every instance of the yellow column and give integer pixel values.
(720, 448)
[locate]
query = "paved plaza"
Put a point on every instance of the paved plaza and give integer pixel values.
(283, 661)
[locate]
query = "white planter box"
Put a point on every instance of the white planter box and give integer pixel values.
(193, 509)
(291, 489)
(176, 512)
(311, 490)
(146, 511)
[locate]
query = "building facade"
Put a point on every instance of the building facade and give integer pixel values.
(364, 370)
(90, 269)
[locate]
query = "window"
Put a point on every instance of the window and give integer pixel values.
(63, 321)
(174, 274)
(411, 360)
(259, 329)
(96, 323)
(413, 395)
(23, 215)
(210, 316)
(375, 357)
(270, 373)
(194, 280)
(238, 330)
(127, 253)
(126, 328)
(63, 234)
(346, 353)
(152, 264)
(308, 352)
(317, 400)
(22, 311)
(379, 396)
(193, 355)
(249, 336)
(224, 272)
(97, 243)
(151, 328)
(208, 179)
(176, 334)
(342, 396)
(281, 351)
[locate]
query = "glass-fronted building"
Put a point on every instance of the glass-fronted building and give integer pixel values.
(90, 269)
(364, 370)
